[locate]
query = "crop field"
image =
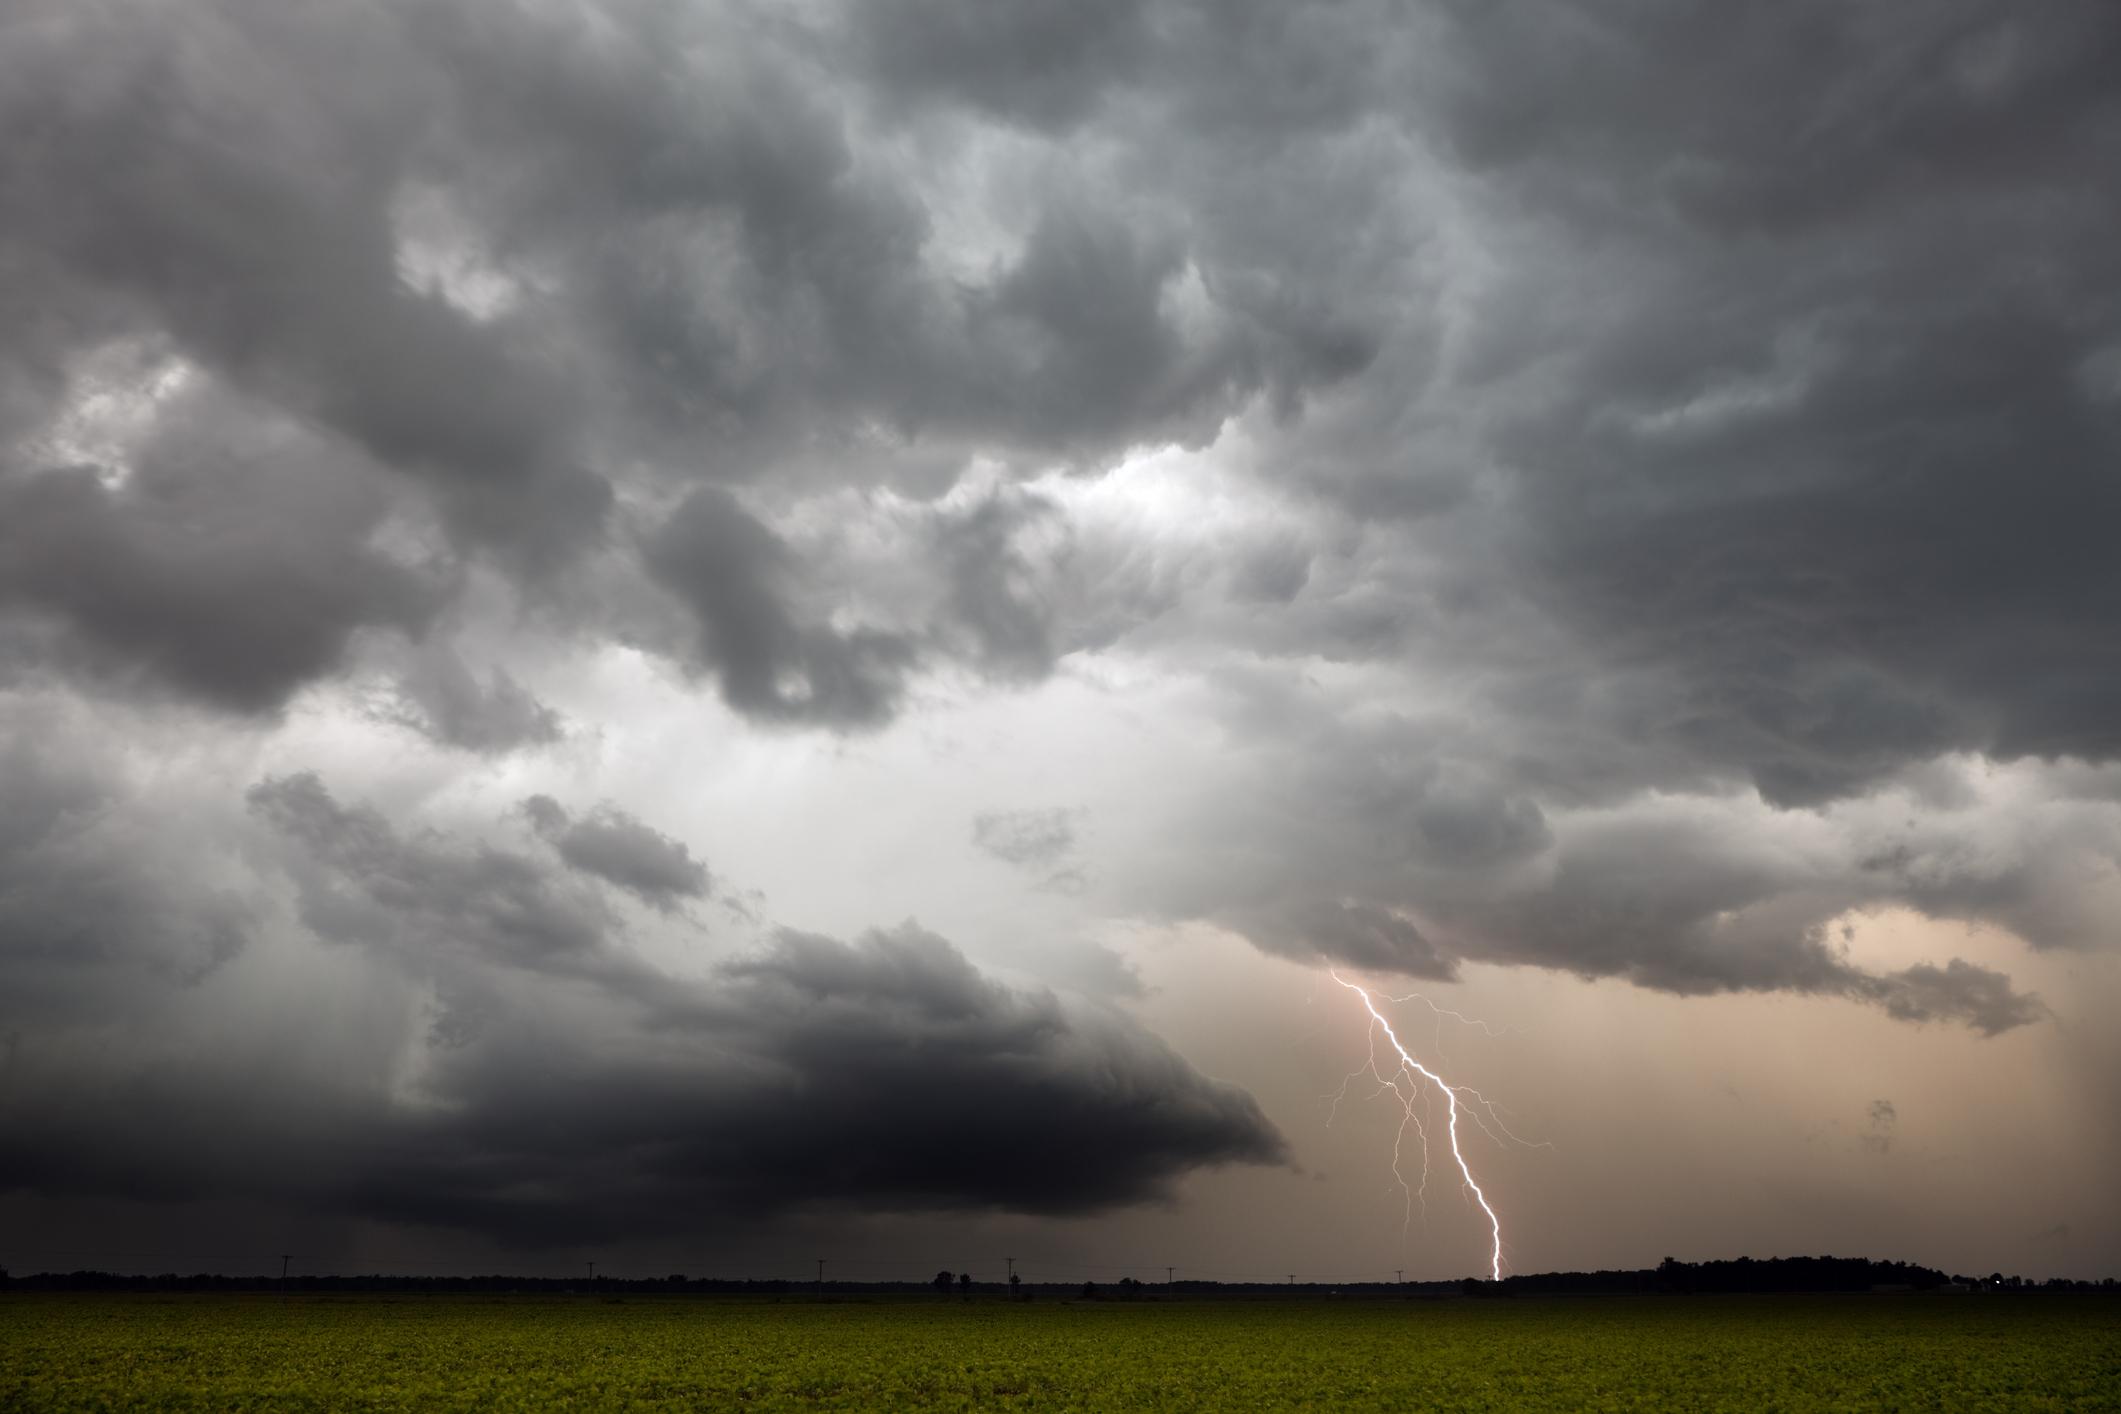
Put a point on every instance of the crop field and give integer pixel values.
(420, 1352)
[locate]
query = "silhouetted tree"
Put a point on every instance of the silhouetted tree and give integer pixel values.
(1089, 1291)
(964, 1285)
(942, 1283)
(1016, 1284)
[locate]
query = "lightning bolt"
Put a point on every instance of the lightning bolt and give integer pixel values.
(1404, 1081)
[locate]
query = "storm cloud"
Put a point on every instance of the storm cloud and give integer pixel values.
(621, 850)
(1443, 486)
(99, 917)
(563, 1087)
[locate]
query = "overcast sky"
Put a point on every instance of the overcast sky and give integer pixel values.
(705, 632)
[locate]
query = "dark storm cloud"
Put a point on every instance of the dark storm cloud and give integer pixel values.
(621, 850)
(886, 1074)
(1787, 372)
(99, 914)
(749, 268)
(1682, 438)
(1041, 63)
(1958, 991)
(1381, 845)
(666, 236)
(994, 592)
(244, 159)
(1837, 459)
(430, 900)
(232, 563)
(1349, 932)
(1255, 69)
(673, 246)
(940, 1085)
(565, 1088)
(735, 576)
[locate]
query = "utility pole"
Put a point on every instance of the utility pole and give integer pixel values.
(285, 1258)
(1170, 1275)
(1292, 1278)
(1401, 1273)
(1012, 1265)
(821, 1278)
(592, 1273)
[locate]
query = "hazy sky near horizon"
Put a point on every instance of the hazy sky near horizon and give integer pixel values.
(707, 632)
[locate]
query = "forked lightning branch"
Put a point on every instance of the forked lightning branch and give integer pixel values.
(1414, 1085)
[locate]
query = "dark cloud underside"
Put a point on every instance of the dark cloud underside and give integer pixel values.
(887, 1074)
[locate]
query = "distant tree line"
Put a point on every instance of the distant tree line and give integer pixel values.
(1769, 1275)
(1797, 1274)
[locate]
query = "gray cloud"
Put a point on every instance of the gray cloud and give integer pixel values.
(402, 267)
(1041, 64)
(1355, 933)
(1705, 500)
(733, 574)
(1005, 1055)
(1777, 489)
(1355, 843)
(567, 1089)
(232, 563)
(1850, 508)
(1883, 1118)
(995, 592)
(455, 266)
(441, 697)
(99, 914)
(1958, 991)
(429, 901)
(244, 211)
(621, 850)
(1037, 839)
(1042, 843)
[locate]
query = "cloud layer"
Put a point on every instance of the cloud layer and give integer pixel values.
(556, 1086)
(1612, 494)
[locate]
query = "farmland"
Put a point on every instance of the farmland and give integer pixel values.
(185, 1351)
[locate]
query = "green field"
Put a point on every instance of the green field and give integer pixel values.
(415, 1352)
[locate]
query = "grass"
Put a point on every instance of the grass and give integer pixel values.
(427, 1353)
